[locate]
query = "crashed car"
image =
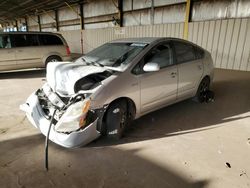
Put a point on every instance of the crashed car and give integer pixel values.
(103, 91)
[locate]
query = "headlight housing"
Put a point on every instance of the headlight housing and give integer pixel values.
(74, 117)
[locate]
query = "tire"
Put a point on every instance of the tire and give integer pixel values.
(52, 58)
(201, 92)
(116, 119)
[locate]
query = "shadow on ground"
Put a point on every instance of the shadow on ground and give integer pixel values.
(21, 165)
(23, 74)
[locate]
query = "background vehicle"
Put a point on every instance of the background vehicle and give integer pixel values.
(104, 90)
(21, 50)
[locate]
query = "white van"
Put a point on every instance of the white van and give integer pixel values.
(22, 50)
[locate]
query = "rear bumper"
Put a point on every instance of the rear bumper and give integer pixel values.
(36, 116)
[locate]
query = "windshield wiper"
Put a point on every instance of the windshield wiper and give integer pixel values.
(92, 63)
(121, 59)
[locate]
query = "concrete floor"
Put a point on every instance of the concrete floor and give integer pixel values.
(184, 145)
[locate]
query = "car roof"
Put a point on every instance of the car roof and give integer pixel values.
(147, 40)
(28, 32)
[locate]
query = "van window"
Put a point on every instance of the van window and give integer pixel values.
(19, 40)
(22, 40)
(32, 40)
(5, 41)
(50, 40)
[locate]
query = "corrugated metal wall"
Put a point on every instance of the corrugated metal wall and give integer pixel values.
(95, 37)
(227, 40)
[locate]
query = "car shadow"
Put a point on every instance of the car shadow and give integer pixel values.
(23, 74)
(232, 99)
(22, 165)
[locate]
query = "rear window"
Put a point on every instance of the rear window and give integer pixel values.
(50, 40)
(199, 53)
(184, 52)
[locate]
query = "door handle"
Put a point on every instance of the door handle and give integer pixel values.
(19, 50)
(173, 74)
(134, 84)
(199, 67)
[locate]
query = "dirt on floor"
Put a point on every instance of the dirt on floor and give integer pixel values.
(184, 145)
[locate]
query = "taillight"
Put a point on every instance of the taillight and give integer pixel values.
(67, 50)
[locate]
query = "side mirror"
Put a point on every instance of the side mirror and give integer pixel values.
(151, 67)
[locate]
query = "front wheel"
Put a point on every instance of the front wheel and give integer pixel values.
(202, 89)
(116, 119)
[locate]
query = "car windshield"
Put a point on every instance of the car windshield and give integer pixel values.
(113, 54)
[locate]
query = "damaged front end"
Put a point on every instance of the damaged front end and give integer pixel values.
(74, 123)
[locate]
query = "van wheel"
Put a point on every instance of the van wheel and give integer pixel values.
(116, 119)
(201, 92)
(52, 58)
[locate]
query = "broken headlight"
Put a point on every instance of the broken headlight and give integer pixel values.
(74, 118)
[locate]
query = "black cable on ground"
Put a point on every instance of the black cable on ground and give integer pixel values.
(47, 141)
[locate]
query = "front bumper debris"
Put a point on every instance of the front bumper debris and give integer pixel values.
(37, 117)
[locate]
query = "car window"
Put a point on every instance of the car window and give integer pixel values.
(162, 55)
(5, 41)
(199, 53)
(50, 40)
(114, 54)
(184, 52)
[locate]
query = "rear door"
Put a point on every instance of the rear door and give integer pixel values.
(190, 69)
(158, 88)
(7, 54)
(28, 54)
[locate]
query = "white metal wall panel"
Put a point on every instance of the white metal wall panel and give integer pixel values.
(73, 39)
(239, 49)
(245, 60)
(227, 43)
(235, 35)
(222, 9)
(227, 40)
(68, 28)
(139, 4)
(66, 13)
(99, 7)
(221, 41)
(95, 37)
(48, 17)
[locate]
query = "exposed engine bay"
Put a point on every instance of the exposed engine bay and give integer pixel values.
(76, 105)
(91, 81)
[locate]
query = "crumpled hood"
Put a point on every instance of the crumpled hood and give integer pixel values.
(62, 76)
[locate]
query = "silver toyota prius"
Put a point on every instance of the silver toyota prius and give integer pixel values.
(103, 91)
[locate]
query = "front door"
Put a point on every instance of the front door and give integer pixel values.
(158, 88)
